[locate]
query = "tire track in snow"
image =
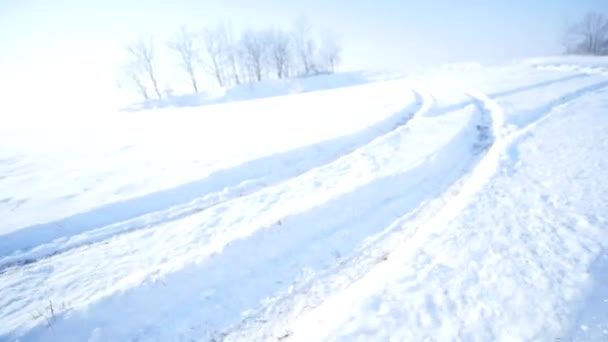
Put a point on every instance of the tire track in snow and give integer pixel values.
(533, 117)
(268, 252)
(488, 245)
(585, 69)
(401, 234)
(185, 300)
(324, 293)
(121, 259)
(57, 245)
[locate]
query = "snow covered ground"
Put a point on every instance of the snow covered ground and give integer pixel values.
(462, 203)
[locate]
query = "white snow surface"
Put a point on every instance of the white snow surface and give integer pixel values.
(465, 203)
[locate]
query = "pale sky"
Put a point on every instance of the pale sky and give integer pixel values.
(59, 53)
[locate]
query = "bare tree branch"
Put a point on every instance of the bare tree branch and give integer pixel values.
(215, 50)
(131, 76)
(254, 48)
(589, 36)
(304, 46)
(184, 45)
(251, 56)
(330, 53)
(142, 60)
(231, 53)
(280, 52)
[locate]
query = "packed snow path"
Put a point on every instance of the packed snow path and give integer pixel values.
(476, 212)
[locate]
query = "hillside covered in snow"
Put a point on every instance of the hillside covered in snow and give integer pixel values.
(465, 202)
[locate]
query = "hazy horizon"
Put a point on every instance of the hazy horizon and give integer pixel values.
(55, 51)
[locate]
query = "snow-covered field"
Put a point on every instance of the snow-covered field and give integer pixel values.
(462, 203)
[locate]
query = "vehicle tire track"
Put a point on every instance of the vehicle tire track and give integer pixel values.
(401, 240)
(273, 320)
(121, 258)
(174, 213)
(244, 237)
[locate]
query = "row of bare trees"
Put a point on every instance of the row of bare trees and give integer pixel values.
(252, 56)
(589, 36)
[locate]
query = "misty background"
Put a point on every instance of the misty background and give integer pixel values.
(66, 53)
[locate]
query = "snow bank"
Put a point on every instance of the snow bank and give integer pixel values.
(586, 64)
(265, 89)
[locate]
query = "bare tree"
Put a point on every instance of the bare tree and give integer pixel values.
(183, 43)
(304, 46)
(330, 53)
(231, 53)
(142, 61)
(132, 77)
(589, 36)
(280, 52)
(215, 50)
(254, 47)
